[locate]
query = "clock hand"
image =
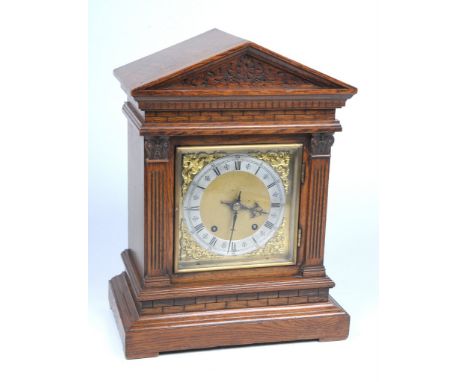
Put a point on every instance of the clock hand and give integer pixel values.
(240, 205)
(234, 219)
(235, 206)
(256, 210)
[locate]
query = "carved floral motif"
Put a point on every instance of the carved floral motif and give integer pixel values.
(242, 71)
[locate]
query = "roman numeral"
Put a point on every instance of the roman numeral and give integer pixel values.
(237, 164)
(233, 247)
(272, 184)
(216, 170)
(200, 187)
(199, 227)
(195, 208)
(269, 224)
(213, 241)
(275, 205)
(258, 169)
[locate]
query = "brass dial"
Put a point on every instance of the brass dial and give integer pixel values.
(234, 205)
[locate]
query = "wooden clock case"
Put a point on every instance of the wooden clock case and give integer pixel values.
(220, 89)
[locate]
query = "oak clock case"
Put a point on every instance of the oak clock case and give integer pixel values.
(236, 206)
(229, 148)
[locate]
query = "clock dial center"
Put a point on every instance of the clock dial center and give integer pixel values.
(219, 202)
(236, 206)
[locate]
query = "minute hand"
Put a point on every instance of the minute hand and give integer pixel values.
(234, 219)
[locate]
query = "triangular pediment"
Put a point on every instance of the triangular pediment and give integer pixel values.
(216, 63)
(241, 71)
(248, 69)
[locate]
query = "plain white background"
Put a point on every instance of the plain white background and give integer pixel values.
(404, 137)
(131, 32)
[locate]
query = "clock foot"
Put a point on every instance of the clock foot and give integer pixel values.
(330, 339)
(147, 335)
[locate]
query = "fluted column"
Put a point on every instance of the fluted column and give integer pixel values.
(159, 210)
(319, 165)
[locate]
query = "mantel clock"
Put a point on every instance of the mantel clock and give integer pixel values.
(228, 162)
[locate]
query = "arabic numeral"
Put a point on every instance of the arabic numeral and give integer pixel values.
(207, 178)
(226, 167)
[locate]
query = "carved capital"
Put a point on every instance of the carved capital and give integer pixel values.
(156, 149)
(320, 144)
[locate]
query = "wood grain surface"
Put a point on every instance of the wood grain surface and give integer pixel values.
(219, 89)
(149, 335)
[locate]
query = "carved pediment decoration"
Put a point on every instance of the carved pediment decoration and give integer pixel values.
(242, 71)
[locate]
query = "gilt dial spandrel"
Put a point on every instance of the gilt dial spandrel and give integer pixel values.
(236, 206)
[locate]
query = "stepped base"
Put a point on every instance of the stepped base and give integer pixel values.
(150, 334)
